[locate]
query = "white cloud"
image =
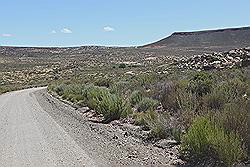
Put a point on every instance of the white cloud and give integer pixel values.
(66, 30)
(53, 32)
(7, 35)
(108, 29)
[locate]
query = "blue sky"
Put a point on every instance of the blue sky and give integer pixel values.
(112, 22)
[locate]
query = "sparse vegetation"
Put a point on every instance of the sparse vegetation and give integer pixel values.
(106, 104)
(135, 98)
(147, 104)
(211, 110)
(207, 112)
(205, 137)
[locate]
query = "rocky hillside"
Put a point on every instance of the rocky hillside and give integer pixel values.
(217, 60)
(233, 37)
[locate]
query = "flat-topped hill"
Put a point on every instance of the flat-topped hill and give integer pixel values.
(232, 37)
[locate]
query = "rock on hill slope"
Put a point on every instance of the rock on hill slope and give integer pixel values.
(233, 37)
(230, 59)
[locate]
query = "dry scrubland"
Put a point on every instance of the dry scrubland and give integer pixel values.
(21, 67)
(204, 107)
(206, 112)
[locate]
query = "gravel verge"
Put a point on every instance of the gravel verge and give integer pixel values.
(111, 144)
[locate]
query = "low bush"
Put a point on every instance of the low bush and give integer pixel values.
(168, 96)
(73, 92)
(57, 88)
(143, 118)
(201, 83)
(121, 88)
(147, 104)
(236, 118)
(5, 89)
(204, 137)
(110, 106)
(160, 126)
(145, 80)
(192, 100)
(232, 89)
(103, 82)
(93, 94)
(155, 122)
(215, 100)
(176, 133)
(135, 97)
(176, 96)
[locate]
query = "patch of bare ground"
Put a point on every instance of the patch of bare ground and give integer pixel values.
(114, 143)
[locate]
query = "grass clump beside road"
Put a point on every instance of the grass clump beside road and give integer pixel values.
(106, 104)
(205, 137)
(4, 90)
(207, 112)
(109, 105)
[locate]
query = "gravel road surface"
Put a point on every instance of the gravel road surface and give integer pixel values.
(38, 130)
(30, 137)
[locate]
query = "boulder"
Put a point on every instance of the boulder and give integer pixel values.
(166, 143)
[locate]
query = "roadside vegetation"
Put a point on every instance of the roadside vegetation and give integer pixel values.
(207, 112)
(5, 89)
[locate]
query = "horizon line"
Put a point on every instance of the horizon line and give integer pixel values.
(139, 45)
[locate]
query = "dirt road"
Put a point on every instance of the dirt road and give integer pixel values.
(30, 137)
(38, 130)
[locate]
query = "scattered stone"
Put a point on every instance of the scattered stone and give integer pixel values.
(230, 59)
(83, 109)
(126, 134)
(115, 137)
(178, 162)
(166, 143)
(116, 123)
(133, 154)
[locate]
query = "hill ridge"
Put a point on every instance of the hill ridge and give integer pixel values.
(234, 37)
(210, 31)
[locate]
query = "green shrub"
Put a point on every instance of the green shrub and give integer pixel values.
(215, 100)
(144, 80)
(135, 97)
(232, 89)
(103, 82)
(201, 83)
(195, 140)
(59, 89)
(176, 133)
(228, 147)
(187, 101)
(72, 92)
(109, 105)
(204, 137)
(175, 96)
(168, 96)
(140, 119)
(7, 89)
(157, 123)
(93, 94)
(147, 104)
(160, 126)
(121, 88)
(112, 107)
(236, 118)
